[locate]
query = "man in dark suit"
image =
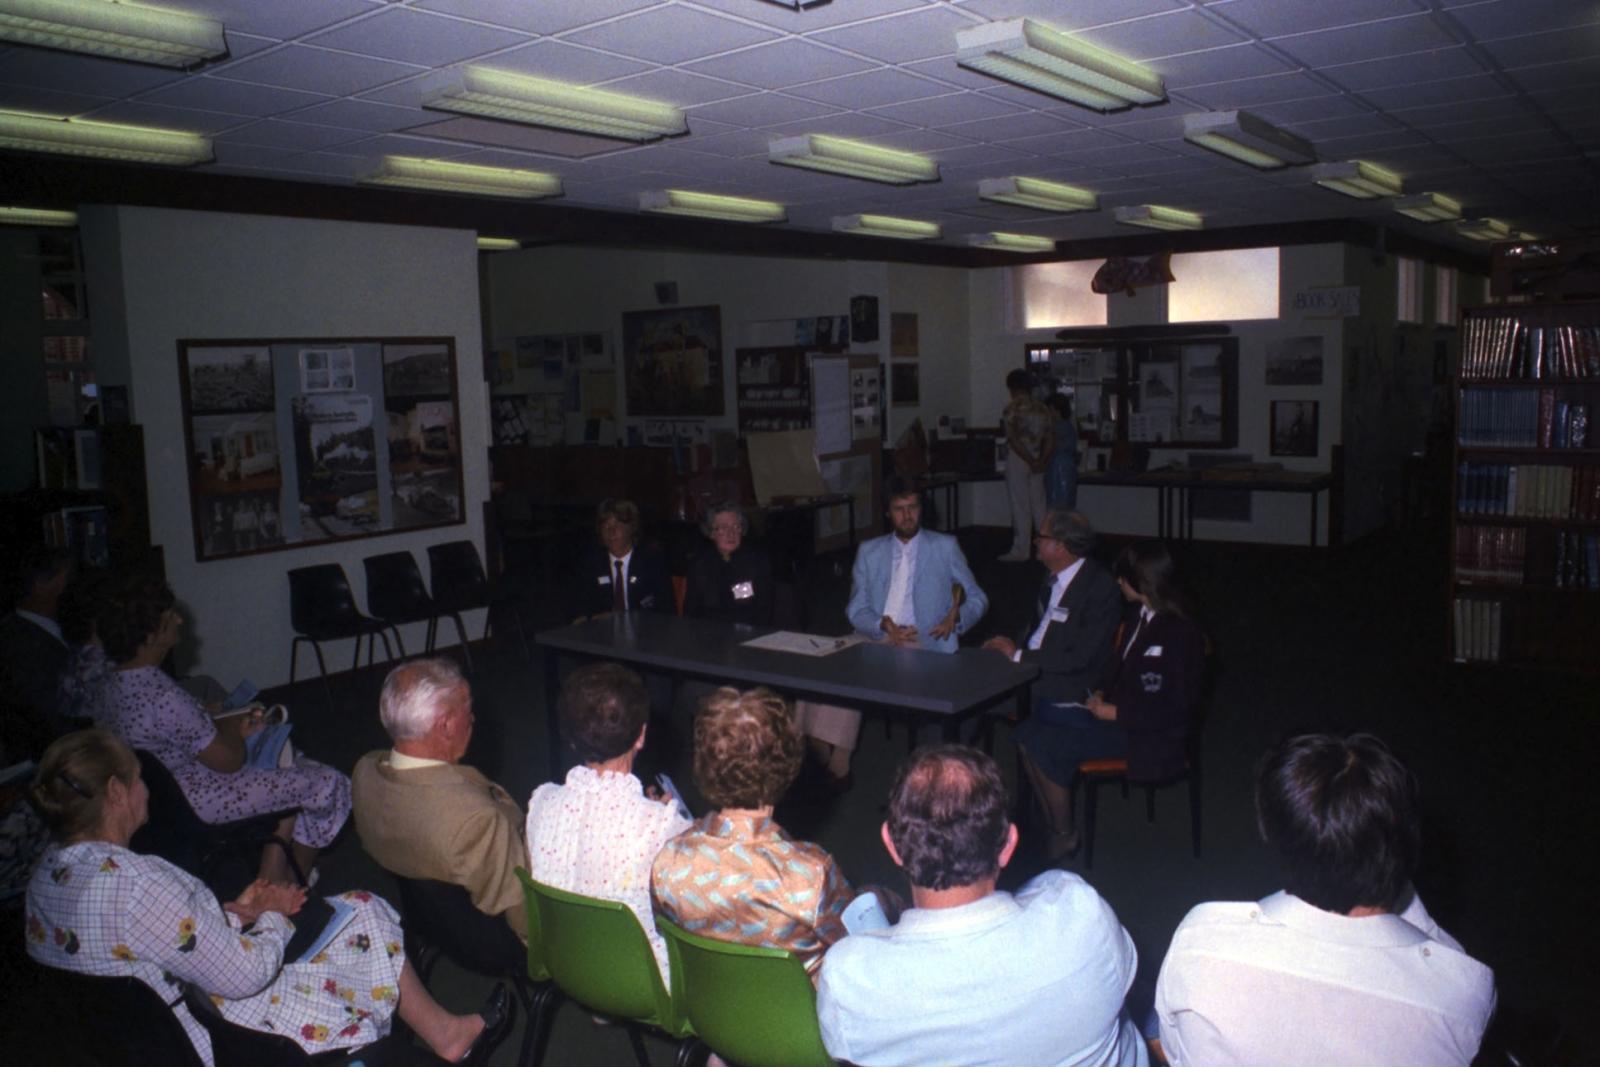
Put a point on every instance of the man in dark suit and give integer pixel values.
(33, 655)
(618, 575)
(1070, 639)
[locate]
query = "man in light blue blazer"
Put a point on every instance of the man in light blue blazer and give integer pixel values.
(913, 587)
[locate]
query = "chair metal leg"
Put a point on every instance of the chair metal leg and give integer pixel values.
(461, 631)
(1090, 790)
(294, 653)
(639, 1051)
(431, 639)
(322, 668)
(536, 1035)
(691, 1051)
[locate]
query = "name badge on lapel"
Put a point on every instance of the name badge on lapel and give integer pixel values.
(604, 579)
(1153, 650)
(1059, 614)
(743, 590)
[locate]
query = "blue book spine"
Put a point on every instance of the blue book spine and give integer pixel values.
(1591, 559)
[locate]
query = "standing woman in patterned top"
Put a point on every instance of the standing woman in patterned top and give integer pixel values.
(734, 874)
(94, 907)
(138, 625)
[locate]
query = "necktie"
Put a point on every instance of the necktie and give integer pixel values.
(1045, 592)
(619, 596)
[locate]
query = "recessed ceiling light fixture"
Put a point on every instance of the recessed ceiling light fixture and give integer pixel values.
(118, 30)
(887, 226)
(498, 94)
(443, 176)
(36, 216)
(1037, 193)
(1428, 207)
(1240, 135)
(1011, 242)
(1484, 229)
(101, 140)
(854, 159)
(711, 206)
(498, 244)
(1040, 57)
(1358, 178)
(1156, 217)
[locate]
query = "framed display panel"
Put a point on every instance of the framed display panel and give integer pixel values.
(672, 362)
(301, 441)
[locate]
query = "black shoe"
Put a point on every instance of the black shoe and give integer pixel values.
(496, 1012)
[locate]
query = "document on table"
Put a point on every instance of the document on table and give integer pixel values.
(804, 644)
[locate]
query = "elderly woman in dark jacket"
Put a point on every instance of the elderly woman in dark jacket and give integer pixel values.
(733, 582)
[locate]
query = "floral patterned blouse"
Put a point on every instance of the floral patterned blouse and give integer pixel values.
(597, 835)
(740, 878)
(96, 908)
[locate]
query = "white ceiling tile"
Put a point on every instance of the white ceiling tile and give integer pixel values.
(282, 20)
(360, 115)
(331, 164)
(1249, 92)
(1069, 143)
(672, 86)
(1432, 115)
(1217, 65)
(543, 16)
(946, 110)
(874, 88)
(1074, 16)
(670, 35)
(1457, 92)
(919, 34)
(780, 64)
(1007, 127)
(1557, 75)
(791, 21)
(485, 132)
(1169, 34)
(1513, 18)
(734, 144)
(1368, 146)
(241, 45)
(291, 136)
(1274, 18)
(1369, 40)
(762, 109)
(85, 75)
(239, 98)
(319, 70)
(1404, 70)
(565, 62)
(417, 37)
(249, 156)
(928, 142)
(1534, 49)
(188, 120)
(842, 124)
(1319, 130)
(399, 144)
(945, 69)
(39, 101)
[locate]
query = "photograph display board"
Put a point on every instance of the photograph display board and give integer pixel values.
(294, 442)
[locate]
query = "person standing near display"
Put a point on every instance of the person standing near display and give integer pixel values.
(1029, 442)
(1061, 479)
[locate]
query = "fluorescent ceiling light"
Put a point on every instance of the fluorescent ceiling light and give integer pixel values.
(1484, 229)
(100, 140)
(1037, 193)
(887, 226)
(36, 216)
(1044, 59)
(497, 94)
(711, 206)
(1240, 135)
(1428, 207)
(1012, 242)
(1157, 217)
(855, 159)
(498, 244)
(1358, 178)
(118, 30)
(443, 176)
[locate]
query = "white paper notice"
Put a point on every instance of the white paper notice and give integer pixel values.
(830, 404)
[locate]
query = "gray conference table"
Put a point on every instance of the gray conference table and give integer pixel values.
(925, 686)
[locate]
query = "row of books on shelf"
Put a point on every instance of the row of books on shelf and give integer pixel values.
(1522, 418)
(1507, 347)
(1479, 630)
(85, 532)
(1529, 490)
(1506, 555)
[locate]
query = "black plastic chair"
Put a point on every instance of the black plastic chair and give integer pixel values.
(396, 595)
(458, 583)
(104, 1020)
(322, 608)
(233, 1045)
(225, 856)
(441, 921)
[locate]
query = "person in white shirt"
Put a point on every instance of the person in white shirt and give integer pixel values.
(1345, 966)
(598, 833)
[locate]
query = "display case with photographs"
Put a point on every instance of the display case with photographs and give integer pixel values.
(294, 442)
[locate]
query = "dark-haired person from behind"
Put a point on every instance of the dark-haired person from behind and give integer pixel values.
(33, 653)
(617, 574)
(1344, 965)
(971, 975)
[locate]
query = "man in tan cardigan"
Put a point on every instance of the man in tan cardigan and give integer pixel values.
(421, 813)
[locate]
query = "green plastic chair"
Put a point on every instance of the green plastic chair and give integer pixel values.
(598, 955)
(754, 1006)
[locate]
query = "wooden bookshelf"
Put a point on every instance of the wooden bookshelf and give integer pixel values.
(1525, 495)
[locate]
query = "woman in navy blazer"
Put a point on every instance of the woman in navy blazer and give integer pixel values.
(1144, 711)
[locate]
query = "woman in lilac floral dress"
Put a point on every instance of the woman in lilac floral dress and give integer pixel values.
(94, 907)
(141, 704)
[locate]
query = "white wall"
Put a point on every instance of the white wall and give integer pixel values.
(214, 275)
(997, 349)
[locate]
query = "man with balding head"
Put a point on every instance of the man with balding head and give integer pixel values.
(421, 813)
(971, 975)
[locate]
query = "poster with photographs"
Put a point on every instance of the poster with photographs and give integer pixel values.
(1202, 417)
(1185, 395)
(1295, 361)
(293, 442)
(672, 362)
(1294, 427)
(866, 403)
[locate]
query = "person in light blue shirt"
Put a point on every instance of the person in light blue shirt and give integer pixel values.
(971, 976)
